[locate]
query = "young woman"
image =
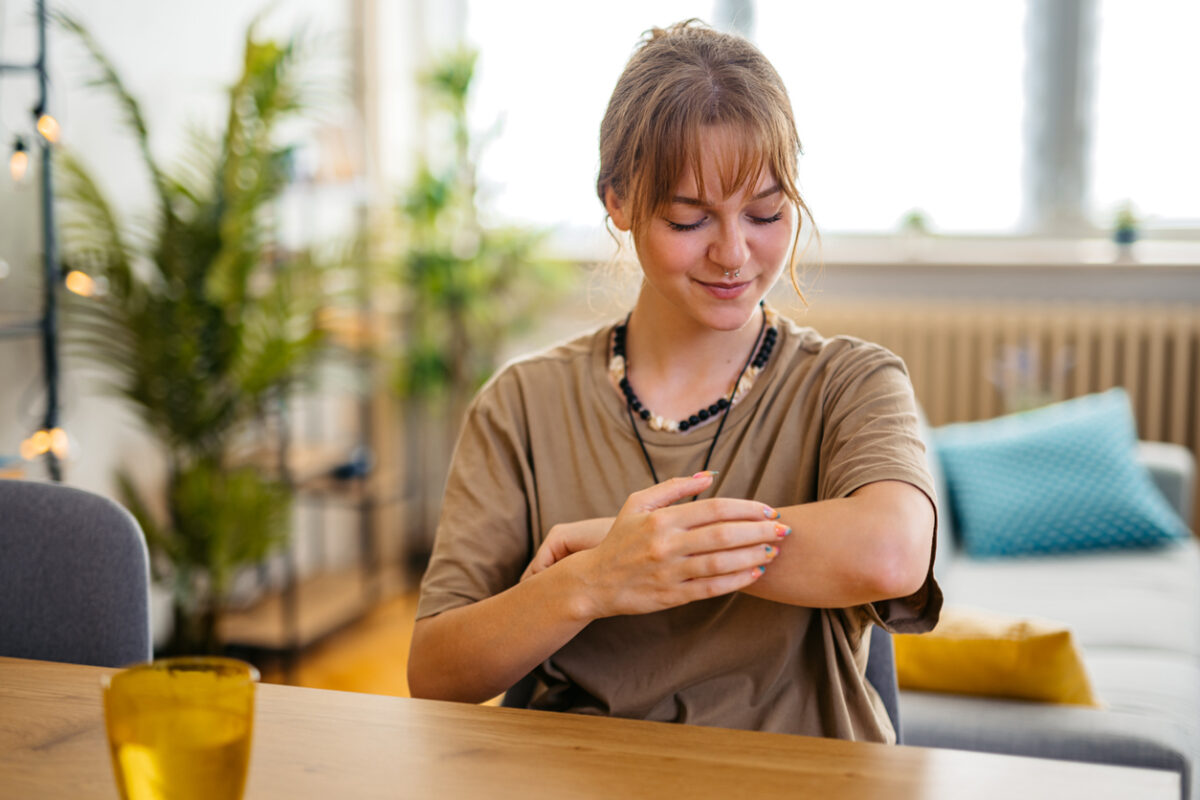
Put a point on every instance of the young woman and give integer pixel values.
(739, 596)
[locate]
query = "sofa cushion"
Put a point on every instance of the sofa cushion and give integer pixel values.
(1056, 479)
(1150, 720)
(985, 653)
(1148, 599)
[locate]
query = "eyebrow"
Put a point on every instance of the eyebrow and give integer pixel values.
(694, 201)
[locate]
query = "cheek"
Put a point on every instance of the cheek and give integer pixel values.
(667, 253)
(773, 242)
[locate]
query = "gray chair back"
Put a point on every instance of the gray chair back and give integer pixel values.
(74, 577)
(881, 673)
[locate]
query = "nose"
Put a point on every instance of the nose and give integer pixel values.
(729, 249)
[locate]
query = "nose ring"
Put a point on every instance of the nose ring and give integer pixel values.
(736, 273)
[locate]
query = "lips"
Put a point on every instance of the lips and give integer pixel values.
(725, 291)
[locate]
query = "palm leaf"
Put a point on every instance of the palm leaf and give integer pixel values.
(108, 79)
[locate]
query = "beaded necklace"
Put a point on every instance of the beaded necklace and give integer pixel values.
(758, 358)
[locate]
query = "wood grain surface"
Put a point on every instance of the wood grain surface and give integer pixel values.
(324, 744)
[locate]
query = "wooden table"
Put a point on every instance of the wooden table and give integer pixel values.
(321, 744)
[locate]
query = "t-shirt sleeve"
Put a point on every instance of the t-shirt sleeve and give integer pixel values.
(483, 541)
(871, 434)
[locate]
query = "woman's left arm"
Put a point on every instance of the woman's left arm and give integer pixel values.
(874, 544)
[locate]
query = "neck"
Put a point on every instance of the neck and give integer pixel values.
(677, 363)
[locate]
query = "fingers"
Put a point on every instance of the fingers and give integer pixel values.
(661, 495)
(721, 509)
(725, 562)
(731, 535)
(717, 585)
(715, 509)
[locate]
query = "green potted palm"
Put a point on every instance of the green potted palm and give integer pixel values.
(203, 328)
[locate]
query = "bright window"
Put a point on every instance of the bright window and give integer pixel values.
(904, 106)
(545, 73)
(1147, 119)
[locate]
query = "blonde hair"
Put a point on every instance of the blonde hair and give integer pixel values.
(680, 80)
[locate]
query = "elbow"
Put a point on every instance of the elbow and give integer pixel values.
(418, 685)
(901, 566)
(421, 674)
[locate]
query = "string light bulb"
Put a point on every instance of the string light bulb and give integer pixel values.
(49, 128)
(80, 283)
(54, 440)
(60, 445)
(18, 163)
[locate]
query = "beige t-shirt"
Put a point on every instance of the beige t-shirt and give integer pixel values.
(548, 440)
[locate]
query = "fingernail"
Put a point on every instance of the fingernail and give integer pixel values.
(782, 530)
(771, 551)
(771, 513)
(759, 569)
(708, 473)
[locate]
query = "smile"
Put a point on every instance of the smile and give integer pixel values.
(725, 291)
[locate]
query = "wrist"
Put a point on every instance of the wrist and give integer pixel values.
(577, 587)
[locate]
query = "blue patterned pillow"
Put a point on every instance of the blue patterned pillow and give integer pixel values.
(1054, 480)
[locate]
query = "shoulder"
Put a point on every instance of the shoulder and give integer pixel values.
(544, 373)
(836, 355)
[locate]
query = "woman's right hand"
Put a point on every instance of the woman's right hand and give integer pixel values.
(658, 555)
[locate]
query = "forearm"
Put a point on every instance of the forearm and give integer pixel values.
(476, 652)
(873, 545)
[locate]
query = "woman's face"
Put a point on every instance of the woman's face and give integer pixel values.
(713, 257)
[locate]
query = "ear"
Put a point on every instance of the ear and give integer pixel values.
(617, 210)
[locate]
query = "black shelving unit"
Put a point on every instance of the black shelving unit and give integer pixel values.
(44, 326)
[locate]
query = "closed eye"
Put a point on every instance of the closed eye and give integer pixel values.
(767, 220)
(685, 226)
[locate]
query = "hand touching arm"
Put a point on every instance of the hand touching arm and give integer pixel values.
(875, 544)
(655, 556)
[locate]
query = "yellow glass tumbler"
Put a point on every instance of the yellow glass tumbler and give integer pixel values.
(179, 728)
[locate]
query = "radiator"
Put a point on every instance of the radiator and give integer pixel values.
(974, 360)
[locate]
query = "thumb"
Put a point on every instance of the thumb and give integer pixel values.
(670, 491)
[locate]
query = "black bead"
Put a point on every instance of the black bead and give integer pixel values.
(683, 426)
(645, 413)
(693, 420)
(723, 404)
(624, 383)
(714, 409)
(703, 414)
(635, 404)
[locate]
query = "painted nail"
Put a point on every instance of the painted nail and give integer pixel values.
(761, 569)
(782, 530)
(771, 551)
(771, 513)
(708, 473)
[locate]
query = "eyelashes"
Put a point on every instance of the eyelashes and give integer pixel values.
(691, 226)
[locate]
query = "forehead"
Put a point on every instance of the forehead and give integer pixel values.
(722, 161)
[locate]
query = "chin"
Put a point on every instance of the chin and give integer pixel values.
(729, 316)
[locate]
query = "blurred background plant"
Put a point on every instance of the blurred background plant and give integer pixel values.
(203, 325)
(467, 288)
(1125, 224)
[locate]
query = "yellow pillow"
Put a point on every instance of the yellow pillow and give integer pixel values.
(983, 653)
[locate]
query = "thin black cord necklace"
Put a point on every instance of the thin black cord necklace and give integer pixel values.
(758, 356)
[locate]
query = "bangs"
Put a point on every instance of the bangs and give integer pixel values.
(750, 145)
(745, 154)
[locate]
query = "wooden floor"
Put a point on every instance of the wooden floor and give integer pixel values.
(370, 655)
